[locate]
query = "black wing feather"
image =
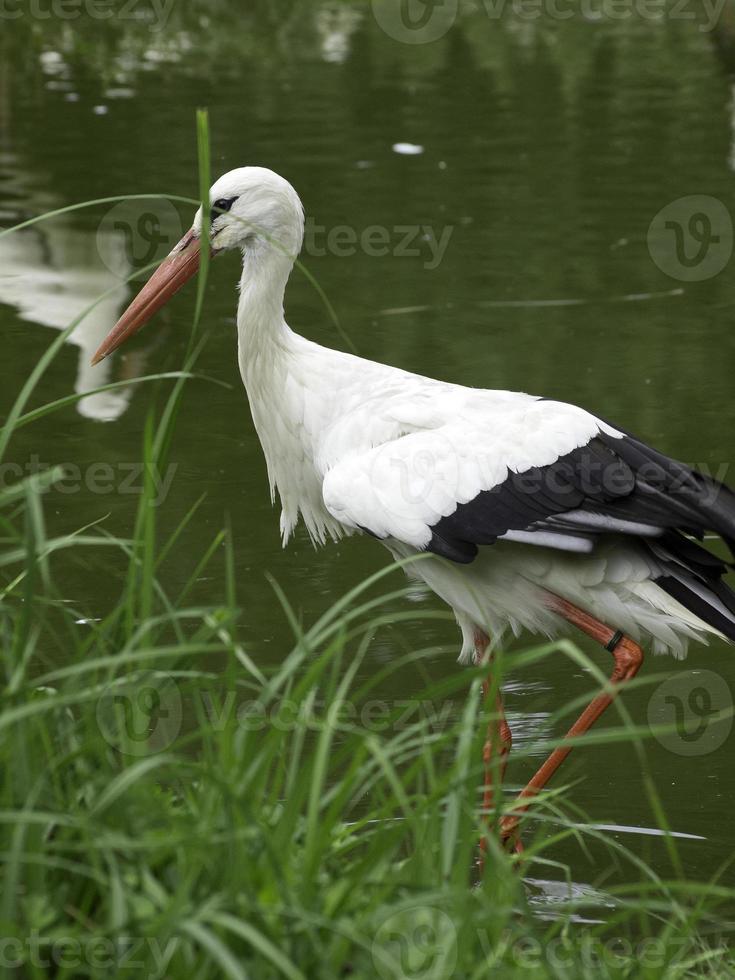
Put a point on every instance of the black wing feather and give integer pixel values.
(592, 477)
(619, 478)
(623, 480)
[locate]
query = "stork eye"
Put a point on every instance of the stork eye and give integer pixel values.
(224, 204)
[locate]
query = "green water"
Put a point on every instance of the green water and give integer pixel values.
(541, 152)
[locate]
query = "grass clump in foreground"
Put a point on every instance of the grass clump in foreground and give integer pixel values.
(162, 820)
(170, 809)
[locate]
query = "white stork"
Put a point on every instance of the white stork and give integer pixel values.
(539, 514)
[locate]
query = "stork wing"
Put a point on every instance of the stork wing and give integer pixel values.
(543, 472)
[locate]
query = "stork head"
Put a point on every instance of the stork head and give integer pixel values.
(252, 209)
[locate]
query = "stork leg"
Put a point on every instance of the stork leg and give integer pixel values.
(499, 737)
(628, 658)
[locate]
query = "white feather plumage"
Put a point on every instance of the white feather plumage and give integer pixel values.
(354, 445)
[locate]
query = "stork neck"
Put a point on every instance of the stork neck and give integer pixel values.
(277, 366)
(260, 321)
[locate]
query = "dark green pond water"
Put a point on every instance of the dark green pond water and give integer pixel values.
(533, 154)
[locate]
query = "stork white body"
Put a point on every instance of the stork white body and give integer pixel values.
(353, 445)
(523, 501)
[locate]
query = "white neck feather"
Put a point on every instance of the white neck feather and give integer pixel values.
(284, 382)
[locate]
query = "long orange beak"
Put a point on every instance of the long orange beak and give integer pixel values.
(175, 270)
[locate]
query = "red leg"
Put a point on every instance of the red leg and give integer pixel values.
(628, 658)
(499, 737)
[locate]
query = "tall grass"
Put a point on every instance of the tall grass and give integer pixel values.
(171, 809)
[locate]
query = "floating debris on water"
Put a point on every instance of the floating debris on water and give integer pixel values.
(408, 149)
